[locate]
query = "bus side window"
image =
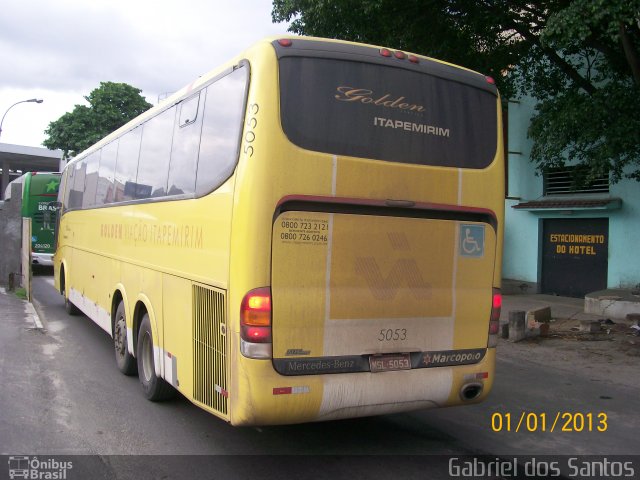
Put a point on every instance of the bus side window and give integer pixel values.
(221, 130)
(66, 180)
(155, 153)
(184, 153)
(106, 174)
(56, 209)
(91, 179)
(76, 184)
(127, 165)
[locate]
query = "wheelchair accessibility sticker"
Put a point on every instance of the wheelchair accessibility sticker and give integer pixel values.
(471, 241)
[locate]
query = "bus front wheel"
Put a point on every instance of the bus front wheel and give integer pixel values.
(154, 387)
(70, 308)
(125, 361)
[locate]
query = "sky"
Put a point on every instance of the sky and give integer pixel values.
(60, 50)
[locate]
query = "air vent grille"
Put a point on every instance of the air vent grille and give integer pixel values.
(210, 348)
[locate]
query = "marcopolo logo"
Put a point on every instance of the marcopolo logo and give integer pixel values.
(452, 357)
(37, 468)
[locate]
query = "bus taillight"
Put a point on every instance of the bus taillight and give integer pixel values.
(494, 321)
(255, 323)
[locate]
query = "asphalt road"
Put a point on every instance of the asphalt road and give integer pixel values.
(63, 395)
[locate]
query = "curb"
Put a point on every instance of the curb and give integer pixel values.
(32, 315)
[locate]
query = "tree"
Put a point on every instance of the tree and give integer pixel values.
(456, 31)
(591, 116)
(577, 58)
(111, 105)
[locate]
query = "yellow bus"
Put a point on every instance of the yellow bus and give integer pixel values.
(311, 232)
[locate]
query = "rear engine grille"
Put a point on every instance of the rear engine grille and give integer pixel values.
(210, 348)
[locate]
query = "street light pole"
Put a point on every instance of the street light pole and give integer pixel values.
(31, 100)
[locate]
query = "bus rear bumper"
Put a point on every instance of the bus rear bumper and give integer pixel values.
(276, 399)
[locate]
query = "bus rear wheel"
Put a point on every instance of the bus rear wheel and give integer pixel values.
(125, 361)
(154, 387)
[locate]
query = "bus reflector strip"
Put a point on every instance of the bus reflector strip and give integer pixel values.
(290, 390)
(171, 369)
(221, 391)
(476, 376)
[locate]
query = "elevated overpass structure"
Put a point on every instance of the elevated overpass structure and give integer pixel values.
(18, 159)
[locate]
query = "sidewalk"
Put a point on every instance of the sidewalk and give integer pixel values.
(561, 307)
(13, 307)
(565, 307)
(568, 313)
(610, 354)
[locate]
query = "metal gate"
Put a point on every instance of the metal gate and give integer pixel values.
(574, 256)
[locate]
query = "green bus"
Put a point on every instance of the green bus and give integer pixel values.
(39, 202)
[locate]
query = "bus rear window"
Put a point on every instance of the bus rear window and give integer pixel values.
(385, 113)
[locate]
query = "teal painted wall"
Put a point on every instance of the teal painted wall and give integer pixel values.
(624, 236)
(522, 228)
(520, 260)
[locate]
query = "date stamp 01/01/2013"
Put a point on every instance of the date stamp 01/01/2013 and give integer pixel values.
(559, 421)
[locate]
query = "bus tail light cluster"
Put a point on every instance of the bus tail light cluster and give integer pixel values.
(255, 323)
(494, 321)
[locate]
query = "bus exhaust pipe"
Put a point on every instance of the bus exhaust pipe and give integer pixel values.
(471, 391)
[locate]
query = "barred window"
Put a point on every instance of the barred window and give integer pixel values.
(572, 181)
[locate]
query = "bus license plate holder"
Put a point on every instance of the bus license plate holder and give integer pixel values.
(390, 362)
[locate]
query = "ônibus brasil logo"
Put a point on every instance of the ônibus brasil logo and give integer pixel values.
(38, 469)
